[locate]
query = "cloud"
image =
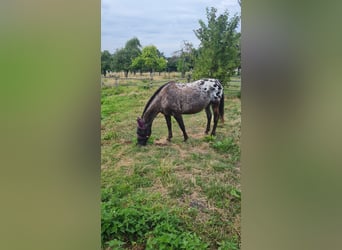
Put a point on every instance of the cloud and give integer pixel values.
(165, 24)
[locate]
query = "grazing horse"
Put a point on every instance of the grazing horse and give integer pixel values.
(175, 99)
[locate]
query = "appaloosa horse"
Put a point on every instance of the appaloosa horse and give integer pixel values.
(175, 99)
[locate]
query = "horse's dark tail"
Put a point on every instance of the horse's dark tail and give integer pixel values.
(221, 108)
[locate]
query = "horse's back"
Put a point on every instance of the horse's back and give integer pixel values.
(190, 98)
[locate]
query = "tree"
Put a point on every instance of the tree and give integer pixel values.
(162, 63)
(218, 51)
(186, 58)
(123, 58)
(121, 61)
(172, 63)
(149, 60)
(105, 62)
(133, 48)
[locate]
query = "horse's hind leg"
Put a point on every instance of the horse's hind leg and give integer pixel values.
(169, 127)
(179, 119)
(209, 115)
(216, 117)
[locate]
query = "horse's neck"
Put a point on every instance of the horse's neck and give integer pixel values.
(149, 115)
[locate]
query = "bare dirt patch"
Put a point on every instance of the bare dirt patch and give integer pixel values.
(161, 142)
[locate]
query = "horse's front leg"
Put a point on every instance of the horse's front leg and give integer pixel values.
(169, 127)
(216, 117)
(209, 115)
(179, 119)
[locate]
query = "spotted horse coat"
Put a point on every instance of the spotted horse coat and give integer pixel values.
(175, 99)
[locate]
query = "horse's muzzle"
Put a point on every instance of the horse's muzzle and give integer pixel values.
(142, 136)
(142, 141)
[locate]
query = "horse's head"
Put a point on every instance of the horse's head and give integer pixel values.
(143, 132)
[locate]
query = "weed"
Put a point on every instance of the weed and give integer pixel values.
(157, 229)
(110, 135)
(115, 244)
(230, 244)
(209, 138)
(235, 193)
(228, 146)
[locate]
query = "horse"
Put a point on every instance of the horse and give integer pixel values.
(175, 99)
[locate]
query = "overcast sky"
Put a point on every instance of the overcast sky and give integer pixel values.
(164, 23)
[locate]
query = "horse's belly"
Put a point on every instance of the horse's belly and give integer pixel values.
(193, 107)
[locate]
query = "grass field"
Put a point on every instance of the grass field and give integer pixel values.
(168, 195)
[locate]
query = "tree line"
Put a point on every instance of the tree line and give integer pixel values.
(218, 55)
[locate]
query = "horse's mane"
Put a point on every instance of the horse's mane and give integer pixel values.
(153, 96)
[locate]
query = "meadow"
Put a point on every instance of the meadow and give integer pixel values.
(168, 195)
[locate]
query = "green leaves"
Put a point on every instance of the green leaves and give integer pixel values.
(231, 244)
(122, 58)
(149, 60)
(157, 229)
(105, 61)
(186, 58)
(219, 48)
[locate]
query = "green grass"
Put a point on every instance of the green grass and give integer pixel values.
(168, 195)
